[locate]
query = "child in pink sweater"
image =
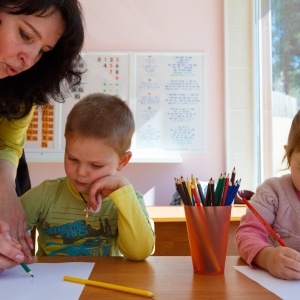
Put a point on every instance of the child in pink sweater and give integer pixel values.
(277, 200)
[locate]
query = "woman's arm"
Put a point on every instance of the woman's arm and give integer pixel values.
(13, 136)
(11, 209)
(10, 250)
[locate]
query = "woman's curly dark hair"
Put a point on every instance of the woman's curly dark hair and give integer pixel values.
(56, 71)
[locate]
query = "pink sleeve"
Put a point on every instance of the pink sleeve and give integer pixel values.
(250, 237)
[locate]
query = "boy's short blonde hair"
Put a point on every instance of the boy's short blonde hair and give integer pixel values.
(104, 117)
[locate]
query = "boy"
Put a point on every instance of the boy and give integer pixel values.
(98, 135)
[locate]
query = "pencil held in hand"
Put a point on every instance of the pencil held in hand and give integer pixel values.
(263, 221)
(26, 268)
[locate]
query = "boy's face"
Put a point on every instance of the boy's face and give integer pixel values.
(295, 169)
(88, 159)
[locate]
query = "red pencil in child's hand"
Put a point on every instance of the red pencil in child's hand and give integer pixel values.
(263, 221)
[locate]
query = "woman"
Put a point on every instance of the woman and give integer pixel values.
(10, 250)
(39, 54)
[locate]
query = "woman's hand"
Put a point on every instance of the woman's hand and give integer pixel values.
(11, 209)
(10, 249)
(281, 262)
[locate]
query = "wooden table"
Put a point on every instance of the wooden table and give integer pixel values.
(171, 233)
(169, 277)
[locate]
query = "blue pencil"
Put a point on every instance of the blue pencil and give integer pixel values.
(234, 192)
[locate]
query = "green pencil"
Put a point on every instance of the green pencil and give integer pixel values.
(25, 267)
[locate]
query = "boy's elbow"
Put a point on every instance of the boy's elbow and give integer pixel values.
(139, 254)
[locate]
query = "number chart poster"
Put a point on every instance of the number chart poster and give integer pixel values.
(170, 101)
(104, 72)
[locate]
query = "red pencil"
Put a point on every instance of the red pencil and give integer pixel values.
(195, 195)
(260, 218)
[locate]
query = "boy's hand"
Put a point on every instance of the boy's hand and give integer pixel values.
(281, 262)
(105, 186)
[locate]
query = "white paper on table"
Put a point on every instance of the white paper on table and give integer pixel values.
(47, 283)
(285, 289)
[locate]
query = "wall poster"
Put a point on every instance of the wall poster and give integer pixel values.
(165, 90)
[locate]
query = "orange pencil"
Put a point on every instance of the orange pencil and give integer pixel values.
(260, 218)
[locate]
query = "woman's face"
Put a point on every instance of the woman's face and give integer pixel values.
(24, 38)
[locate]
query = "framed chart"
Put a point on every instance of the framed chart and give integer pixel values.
(169, 101)
(165, 91)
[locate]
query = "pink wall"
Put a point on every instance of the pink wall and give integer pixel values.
(168, 25)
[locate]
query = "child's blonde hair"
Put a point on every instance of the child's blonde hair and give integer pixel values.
(104, 117)
(293, 143)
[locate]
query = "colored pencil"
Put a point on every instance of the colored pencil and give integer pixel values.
(234, 191)
(26, 268)
(110, 286)
(223, 194)
(229, 193)
(185, 190)
(212, 193)
(188, 185)
(263, 221)
(195, 195)
(208, 191)
(181, 192)
(199, 187)
(232, 179)
(218, 188)
(194, 182)
(222, 184)
(225, 190)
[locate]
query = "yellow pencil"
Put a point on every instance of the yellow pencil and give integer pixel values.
(110, 286)
(188, 185)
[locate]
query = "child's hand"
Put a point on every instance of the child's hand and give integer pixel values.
(281, 262)
(105, 186)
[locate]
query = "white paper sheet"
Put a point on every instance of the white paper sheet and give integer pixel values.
(285, 289)
(47, 283)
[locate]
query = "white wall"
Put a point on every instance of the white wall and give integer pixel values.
(241, 147)
(162, 25)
